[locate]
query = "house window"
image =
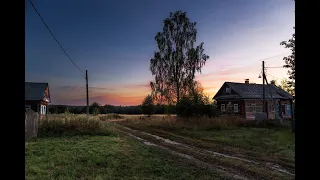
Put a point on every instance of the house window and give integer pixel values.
(283, 109)
(41, 109)
(223, 107)
(229, 105)
(272, 108)
(235, 108)
(253, 108)
(44, 109)
(27, 106)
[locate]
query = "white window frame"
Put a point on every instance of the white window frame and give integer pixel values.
(44, 109)
(235, 108)
(223, 107)
(253, 108)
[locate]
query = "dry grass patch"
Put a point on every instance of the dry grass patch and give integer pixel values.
(70, 124)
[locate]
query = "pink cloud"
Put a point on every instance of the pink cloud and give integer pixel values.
(141, 86)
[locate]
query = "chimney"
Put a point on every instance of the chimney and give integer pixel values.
(272, 82)
(246, 81)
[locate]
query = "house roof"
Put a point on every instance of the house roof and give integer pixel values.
(35, 91)
(253, 91)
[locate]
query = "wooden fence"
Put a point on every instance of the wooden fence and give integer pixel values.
(31, 124)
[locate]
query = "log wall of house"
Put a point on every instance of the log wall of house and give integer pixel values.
(287, 114)
(273, 112)
(36, 106)
(230, 110)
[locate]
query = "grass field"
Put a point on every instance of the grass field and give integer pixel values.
(70, 147)
(104, 157)
(100, 156)
(269, 142)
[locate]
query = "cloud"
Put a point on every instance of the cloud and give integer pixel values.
(90, 88)
(108, 98)
(232, 70)
(141, 85)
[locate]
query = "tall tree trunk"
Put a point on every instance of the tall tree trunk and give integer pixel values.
(178, 92)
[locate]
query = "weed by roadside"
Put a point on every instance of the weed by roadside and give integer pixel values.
(71, 125)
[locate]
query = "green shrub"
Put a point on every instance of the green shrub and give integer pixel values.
(195, 107)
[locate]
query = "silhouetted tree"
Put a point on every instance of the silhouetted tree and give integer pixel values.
(195, 103)
(53, 109)
(147, 105)
(93, 106)
(177, 60)
(290, 60)
(95, 111)
(285, 85)
(75, 110)
(61, 108)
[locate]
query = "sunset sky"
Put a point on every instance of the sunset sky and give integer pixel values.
(114, 40)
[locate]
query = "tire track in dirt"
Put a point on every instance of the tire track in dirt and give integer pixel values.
(227, 149)
(203, 152)
(215, 168)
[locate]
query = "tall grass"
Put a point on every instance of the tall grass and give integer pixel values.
(196, 123)
(175, 122)
(105, 117)
(70, 124)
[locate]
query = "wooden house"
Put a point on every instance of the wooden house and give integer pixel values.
(245, 100)
(37, 97)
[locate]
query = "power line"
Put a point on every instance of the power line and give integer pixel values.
(274, 76)
(74, 88)
(273, 56)
(55, 37)
(275, 67)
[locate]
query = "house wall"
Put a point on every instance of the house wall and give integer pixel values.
(33, 105)
(230, 107)
(286, 112)
(36, 106)
(252, 107)
(275, 112)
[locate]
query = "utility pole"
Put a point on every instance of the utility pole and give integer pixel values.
(263, 88)
(87, 92)
(265, 77)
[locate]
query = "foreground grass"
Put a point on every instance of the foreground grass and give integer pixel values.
(104, 157)
(277, 143)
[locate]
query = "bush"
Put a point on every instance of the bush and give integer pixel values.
(147, 106)
(194, 106)
(69, 125)
(95, 111)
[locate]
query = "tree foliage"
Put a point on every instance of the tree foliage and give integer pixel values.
(177, 60)
(196, 103)
(290, 60)
(285, 85)
(159, 109)
(147, 105)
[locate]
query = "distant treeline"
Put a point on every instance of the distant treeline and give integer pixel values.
(95, 108)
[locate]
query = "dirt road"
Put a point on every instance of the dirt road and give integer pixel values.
(232, 167)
